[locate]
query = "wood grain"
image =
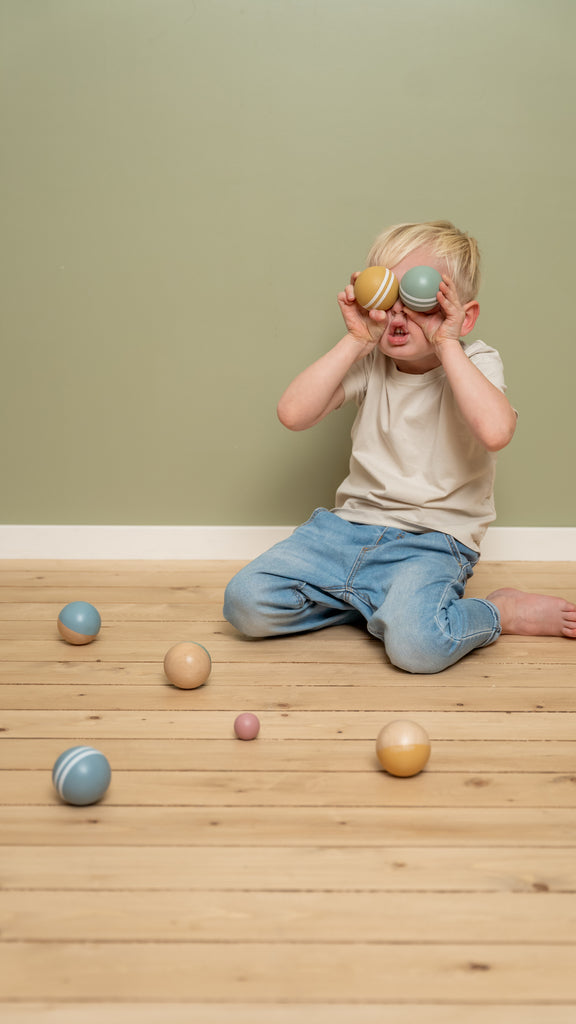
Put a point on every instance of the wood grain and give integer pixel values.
(288, 879)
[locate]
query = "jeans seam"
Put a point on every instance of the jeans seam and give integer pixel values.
(299, 590)
(349, 587)
(454, 549)
(467, 636)
(463, 562)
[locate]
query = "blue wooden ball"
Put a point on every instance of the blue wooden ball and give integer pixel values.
(79, 622)
(81, 776)
(419, 287)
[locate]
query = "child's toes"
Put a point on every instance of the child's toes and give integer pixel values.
(569, 626)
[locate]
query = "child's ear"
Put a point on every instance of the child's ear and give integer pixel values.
(472, 314)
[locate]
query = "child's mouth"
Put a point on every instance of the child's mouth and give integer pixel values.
(397, 336)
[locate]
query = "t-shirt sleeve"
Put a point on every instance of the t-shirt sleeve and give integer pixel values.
(489, 362)
(356, 381)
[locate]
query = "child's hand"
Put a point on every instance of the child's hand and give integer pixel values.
(445, 325)
(365, 326)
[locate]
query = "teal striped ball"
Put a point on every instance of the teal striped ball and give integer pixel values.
(81, 776)
(418, 289)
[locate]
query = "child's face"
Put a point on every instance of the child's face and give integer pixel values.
(402, 339)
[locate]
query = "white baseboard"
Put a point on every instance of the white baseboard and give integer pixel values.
(138, 542)
(505, 543)
(530, 544)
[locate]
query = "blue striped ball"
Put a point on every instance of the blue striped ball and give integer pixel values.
(81, 776)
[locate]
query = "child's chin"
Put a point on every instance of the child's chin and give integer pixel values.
(400, 350)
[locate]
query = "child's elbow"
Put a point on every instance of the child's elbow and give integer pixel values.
(496, 444)
(499, 438)
(288, 416)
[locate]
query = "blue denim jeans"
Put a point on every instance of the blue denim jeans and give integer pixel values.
(407, 587)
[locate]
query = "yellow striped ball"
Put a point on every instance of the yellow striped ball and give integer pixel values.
(376, 288)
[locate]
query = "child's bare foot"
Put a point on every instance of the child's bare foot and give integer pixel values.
(534, 614)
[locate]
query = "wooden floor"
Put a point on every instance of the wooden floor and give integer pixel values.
(288, 879)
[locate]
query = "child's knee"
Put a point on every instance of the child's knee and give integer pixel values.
(419, 649)
(242, 606)
(420, 659)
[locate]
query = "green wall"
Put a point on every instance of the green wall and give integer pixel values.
(187, 184)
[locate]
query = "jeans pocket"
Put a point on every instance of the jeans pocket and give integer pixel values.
(466, 557)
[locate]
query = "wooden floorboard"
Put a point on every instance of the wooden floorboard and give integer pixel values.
(275, 1013)
(288, 879)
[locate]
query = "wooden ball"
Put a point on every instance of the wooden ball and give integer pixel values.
(187, 665)
(419, 288)
(403, 748)
(376, 288)
(79, 622)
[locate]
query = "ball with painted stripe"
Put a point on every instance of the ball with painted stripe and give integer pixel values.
(403, 747)
(187, 665)
(376, 288)
(79, 622)
(419, 288)
(81, 776)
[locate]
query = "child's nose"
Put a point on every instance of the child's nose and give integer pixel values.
(398, 307)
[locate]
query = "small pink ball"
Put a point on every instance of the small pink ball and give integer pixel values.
(247, 726)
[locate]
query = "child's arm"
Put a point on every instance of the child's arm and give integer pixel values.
(485, 408)
(318, 390)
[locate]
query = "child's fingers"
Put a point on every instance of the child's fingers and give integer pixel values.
(447, 291)
(429, 323)
(449, 300)
(379, 316)
(419, 318)
(346, 298)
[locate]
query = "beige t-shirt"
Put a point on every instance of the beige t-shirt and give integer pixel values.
(415, 463)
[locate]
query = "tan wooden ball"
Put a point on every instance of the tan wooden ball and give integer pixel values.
(376, 288)
(403, 747)
(187, 665)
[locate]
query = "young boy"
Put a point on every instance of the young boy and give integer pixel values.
(404, 536)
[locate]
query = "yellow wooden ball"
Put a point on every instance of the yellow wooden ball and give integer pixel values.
(403, 748)
(376, 288)
(187, 665)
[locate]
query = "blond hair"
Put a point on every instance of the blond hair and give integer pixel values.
(458, 248)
